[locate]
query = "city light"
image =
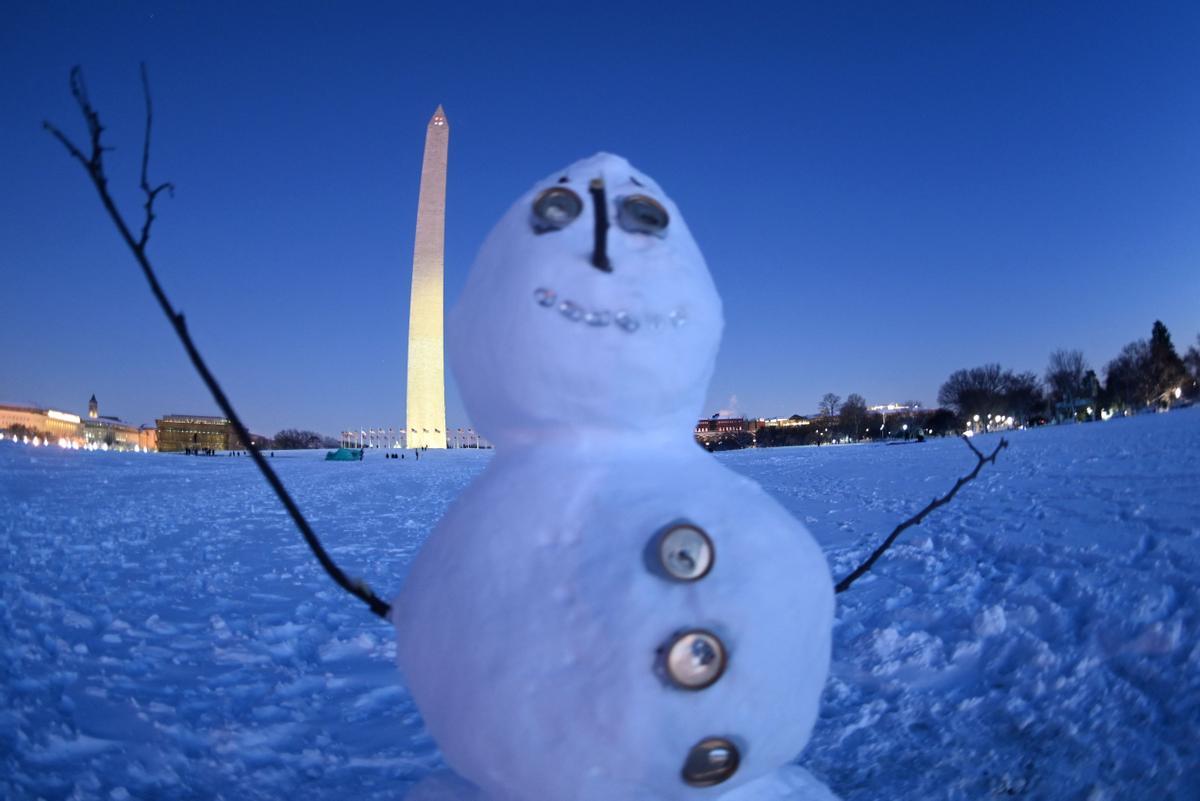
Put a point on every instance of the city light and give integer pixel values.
(1179, 391)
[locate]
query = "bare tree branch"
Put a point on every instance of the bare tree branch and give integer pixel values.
(151, 193)
(94, 164)
(981, 460)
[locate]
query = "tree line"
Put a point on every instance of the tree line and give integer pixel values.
(296, 439)
(1145, 374)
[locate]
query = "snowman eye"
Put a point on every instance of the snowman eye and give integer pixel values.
(640, 214)
(554, 209)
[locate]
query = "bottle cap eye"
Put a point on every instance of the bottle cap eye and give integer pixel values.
(555, 208)
(640, 214)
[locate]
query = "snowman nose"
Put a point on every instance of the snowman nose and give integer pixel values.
(600, 228)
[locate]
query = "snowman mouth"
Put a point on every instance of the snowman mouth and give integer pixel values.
(624, 319)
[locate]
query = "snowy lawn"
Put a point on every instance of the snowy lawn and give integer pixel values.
(166, 634)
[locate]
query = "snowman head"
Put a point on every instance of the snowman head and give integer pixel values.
(589, 310)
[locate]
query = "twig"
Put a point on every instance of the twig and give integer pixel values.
(94, 164)
(981, 460)
(151, 193)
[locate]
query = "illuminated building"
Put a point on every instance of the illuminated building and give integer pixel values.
(180, 432)
(111, 432)
(148, 438)
(426, 402)
(48, 424)
(895, 408)
(795, 421)
(718, 427)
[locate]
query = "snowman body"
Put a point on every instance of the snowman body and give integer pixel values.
(555, 647)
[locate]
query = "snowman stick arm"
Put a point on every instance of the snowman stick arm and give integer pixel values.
(94, 165)
(916, 519)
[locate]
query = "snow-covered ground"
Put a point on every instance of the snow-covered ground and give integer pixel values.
(166, 634)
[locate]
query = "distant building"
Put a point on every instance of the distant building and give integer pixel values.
(180, 432)
(718, 427)
(721, 433)
(108, 432)
(895, 408)
(795, 421)
(148, 438)
(47, 424)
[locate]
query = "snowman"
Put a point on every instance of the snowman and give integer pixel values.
(607, 613)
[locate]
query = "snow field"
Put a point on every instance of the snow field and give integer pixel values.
(166, 634)
(1037, 638)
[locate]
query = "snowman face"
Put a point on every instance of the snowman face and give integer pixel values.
(588, 307)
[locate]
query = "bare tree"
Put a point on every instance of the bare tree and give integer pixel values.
(1066, 377)
(854, 414)
(829, 404)
(1022, 396)
(296, 439)
(978, 390)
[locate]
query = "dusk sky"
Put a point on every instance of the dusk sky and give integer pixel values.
(884, 194)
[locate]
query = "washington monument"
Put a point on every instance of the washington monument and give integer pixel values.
(426, 408)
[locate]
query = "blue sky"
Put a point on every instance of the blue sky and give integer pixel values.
(884, 194)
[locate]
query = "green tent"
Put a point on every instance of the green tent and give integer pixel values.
(345, 455)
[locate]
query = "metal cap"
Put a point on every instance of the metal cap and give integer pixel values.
(694, 659)
(555, 208)
(685, 552)
(711, 761)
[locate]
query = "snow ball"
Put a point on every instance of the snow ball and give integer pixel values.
(990, 622)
